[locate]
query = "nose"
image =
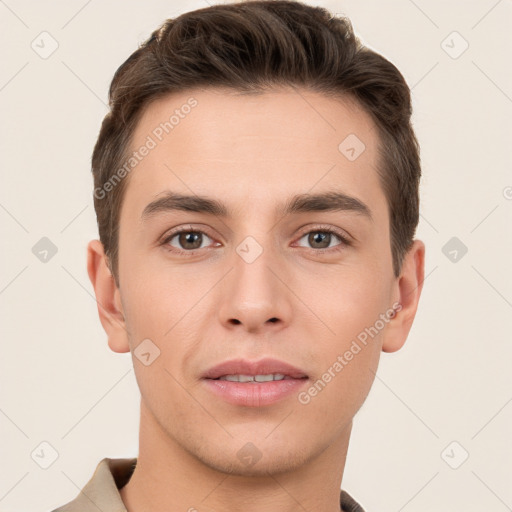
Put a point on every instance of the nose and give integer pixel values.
(254, 296)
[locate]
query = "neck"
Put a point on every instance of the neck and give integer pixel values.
(167, 477)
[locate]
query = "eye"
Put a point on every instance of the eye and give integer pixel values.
(322, 238)
(186, 240)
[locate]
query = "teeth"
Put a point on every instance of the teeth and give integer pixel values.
(253, 378)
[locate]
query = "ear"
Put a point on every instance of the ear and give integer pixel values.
(407, 294)
(108, 297)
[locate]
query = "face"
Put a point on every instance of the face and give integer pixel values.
(255, 274)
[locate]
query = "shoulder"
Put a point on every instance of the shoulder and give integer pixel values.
(101, 492)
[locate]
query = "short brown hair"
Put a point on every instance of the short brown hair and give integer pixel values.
(253, 46)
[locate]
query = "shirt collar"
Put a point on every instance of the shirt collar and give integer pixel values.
(102, 491)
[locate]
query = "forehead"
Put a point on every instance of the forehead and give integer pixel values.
(253, 150)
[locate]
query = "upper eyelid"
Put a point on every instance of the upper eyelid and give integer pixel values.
(342, 234)
(323, 227)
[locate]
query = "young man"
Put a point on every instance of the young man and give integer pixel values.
(256, 189)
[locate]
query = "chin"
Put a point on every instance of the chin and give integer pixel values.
(248, 460)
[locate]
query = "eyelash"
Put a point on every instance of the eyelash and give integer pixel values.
(345, 242)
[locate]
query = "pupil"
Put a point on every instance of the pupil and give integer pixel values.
(319, 237)
(190, 237)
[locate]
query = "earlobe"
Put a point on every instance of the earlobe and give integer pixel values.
(408, 290)
(108, 297)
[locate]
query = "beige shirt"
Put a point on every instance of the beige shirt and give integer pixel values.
(102, 490)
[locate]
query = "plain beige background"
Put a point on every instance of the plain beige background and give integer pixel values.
(446, 395)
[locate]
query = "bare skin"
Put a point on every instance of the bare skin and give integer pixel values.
(202, 306)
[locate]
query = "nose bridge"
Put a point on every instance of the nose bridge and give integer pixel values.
(253, 295)
(253, 279)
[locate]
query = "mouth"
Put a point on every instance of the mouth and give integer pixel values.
(254, 383)
(256, 378)
(260, 371)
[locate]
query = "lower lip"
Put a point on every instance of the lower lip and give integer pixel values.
(254, 394)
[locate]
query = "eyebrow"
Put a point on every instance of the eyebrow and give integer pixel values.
(300, 203)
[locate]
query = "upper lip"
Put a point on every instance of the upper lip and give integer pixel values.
(246, 367)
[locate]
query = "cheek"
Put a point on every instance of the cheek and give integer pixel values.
(346, 368)
(350, 300)
(350, 349)
(165, 305)
(154, 293)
